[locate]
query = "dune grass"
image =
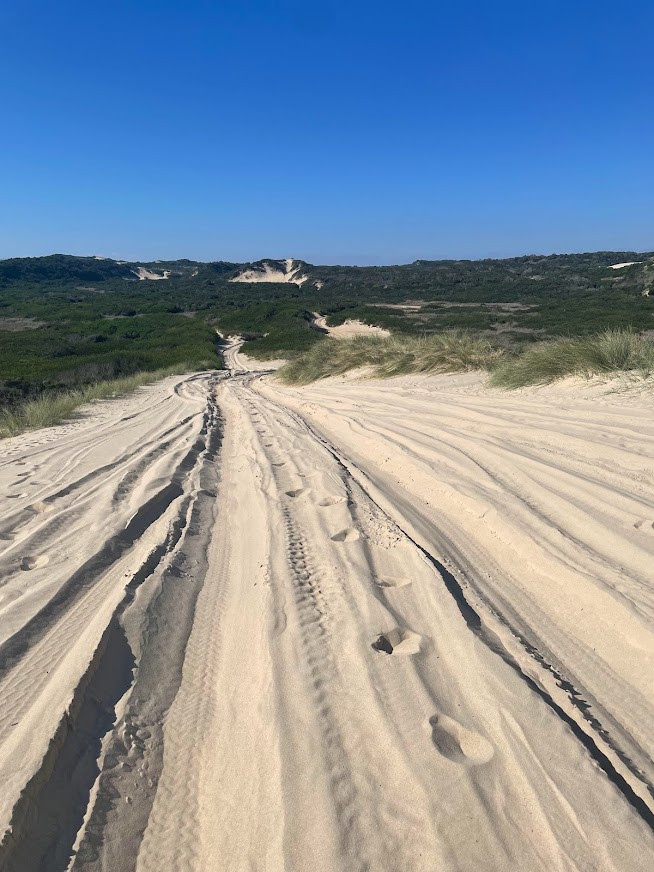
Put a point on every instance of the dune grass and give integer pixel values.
(450, 351)
(612, 351)
(53, 408)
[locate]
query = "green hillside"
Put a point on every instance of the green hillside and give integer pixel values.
(67, 321)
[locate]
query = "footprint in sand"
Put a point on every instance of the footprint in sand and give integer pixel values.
(40, 507)
(296, 493)
(331, 501)
(34, 562)
(399, 641)
(644, 523)
(349, 534)
(391, 581)
(459, 744)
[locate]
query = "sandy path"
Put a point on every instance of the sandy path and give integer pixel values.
(388, 626)
(544, 502)
(90, 510)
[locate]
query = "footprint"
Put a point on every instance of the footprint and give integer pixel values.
(30, 562)
(296, 493)
(398, 641)
(279, 463)
(331, 501)
(640, 524)
(459, 744)
(391, 581)
(40, 507)
(349, 534)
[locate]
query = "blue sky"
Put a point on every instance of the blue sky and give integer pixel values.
(337, 132)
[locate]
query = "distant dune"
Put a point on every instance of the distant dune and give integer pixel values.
(349, 328)
(144, 273)
(273, 271)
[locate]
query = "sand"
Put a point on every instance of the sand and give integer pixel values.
(359, 625)
(348, 328)
(147, 274)
(626, 263)
(283, 271)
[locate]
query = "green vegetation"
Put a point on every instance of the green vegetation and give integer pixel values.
(68, 322)
(271, 329)
(53, 408)
(611, 351)
(451, 351)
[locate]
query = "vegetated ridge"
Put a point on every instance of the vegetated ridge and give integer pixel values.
(68, 321)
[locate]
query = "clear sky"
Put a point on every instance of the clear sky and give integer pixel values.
(338, 132)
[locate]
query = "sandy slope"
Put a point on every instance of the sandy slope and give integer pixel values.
(283, 271)
(397, 625)
(348, 328)
(143, 273)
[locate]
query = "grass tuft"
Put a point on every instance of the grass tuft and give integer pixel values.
(53, 408)
(611, 351)
(450, 351)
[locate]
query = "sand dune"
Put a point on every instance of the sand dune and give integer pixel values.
(144, 274)
(401, 625)
(283, 271)
(348, 328)
(622, 265)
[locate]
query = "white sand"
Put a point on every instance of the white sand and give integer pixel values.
(627, 263)
(273, 271)
(238, 362)
(147, 274)
(349, 328)
(330, 701)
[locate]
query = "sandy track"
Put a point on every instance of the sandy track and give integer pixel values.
(411, 632)
(92, 510)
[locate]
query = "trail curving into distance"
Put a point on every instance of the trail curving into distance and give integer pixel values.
(355, 626)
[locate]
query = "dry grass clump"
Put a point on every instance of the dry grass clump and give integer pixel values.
(53, 408)
(611, 351)
(450, 351)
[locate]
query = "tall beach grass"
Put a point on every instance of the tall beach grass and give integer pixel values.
(612, 351)
(450, 351)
